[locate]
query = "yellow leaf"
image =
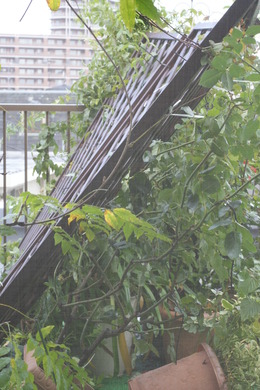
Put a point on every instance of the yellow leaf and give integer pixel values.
(141, 302)
(125, 353)
(112, 220)
(54, 5)
(76, 215)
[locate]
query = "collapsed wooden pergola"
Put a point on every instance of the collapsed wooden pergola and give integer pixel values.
(118, 138)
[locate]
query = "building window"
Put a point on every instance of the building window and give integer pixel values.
(57, 52)
(6, 39)
(74, 72)
(75, 62)
(26, 41)
(58, 62)
(6, 50)
(78, 52)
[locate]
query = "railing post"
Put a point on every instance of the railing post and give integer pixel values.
(25, 125)
(4, 170)
(68, 132)
(26, 109)
(48, 171)
(25, 152)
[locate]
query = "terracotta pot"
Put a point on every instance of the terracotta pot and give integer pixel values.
(200, 371)
(40, 379)
(187, 343)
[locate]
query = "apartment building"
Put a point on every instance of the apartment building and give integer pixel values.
(41, 62)
(31, 62)
(64, 22)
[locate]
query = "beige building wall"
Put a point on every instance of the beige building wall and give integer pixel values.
(32, 62)
(41, 62)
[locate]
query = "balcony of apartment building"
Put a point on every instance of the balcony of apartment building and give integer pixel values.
(20, 125)
(41, 62)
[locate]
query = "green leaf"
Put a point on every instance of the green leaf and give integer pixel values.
(227, 81)
(233, 43)
(246, 234)
(127, 10)
(47, 365)
(210, 184)
(256, 327)
(65, 246)
(217, 264)
(221, 62)
(5, 375)
(7, 230)
(227, 305)
(232, 244)
(247, 286)
(249, 131)
(236, 33)
(128, 230)
(193, 202)
(222, 222)
(236, 70)
(147, 8)
(253, 30)
(4, 351)
(210, 78)
(153, 300)
(253, 77)
(44, 332)
(219, 146)
(249, 308)
(4, 361)
(249, 40)
(57, 238)
(89, 234)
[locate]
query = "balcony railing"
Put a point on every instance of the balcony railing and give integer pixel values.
(16, 162)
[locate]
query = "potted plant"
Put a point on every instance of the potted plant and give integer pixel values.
(39, 364)
(236, 341)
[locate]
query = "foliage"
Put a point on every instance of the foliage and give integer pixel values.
(237, 346)
(46, 149)
(13, 369)
(102, 268)
(196, 201)
(102, 81)
(128, 10)
(53, 358)
(54, 5)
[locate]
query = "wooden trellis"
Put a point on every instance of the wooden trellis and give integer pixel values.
(117, 141)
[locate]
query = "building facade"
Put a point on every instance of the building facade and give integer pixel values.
(64, 22)
(31, 62)
(41, 62)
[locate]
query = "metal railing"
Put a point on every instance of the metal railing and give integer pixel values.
(18, 164)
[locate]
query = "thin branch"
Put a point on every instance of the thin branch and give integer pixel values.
(125, 91)
(192, 175)
(25, 12)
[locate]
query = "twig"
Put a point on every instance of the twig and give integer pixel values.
(25, 12)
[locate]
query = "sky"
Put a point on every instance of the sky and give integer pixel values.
(36, 20)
